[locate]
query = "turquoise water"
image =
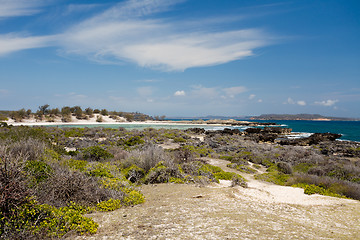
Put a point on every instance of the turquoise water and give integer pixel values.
(349, 129)
(138, 126)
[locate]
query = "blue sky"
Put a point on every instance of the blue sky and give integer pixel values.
(182, 57)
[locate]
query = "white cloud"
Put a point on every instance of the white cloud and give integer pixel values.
(233, 91)
(126, 32)
(13, 8)
(13, 42)
(131, 31)
(327, 103)
(291, 101)
(179, 93)
(260, 100)
(252, 96)
(301, 103)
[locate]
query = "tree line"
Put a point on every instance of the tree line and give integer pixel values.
(45, 113)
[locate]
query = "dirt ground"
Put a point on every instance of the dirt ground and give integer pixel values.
(261, 211)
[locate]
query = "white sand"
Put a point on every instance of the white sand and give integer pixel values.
(106, 121)
(270, 193)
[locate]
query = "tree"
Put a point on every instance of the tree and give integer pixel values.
(54, 111)
(44, 109)
(65, 111)
(78, 112)
(28, 113)
(66, 114)
(104, 112)
(129, 117)
(89, 111)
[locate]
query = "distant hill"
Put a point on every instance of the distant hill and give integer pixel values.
(313, 117)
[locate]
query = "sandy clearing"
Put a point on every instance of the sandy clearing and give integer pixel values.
(271, 193)
(262, 211)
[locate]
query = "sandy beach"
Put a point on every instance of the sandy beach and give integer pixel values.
(106, 120)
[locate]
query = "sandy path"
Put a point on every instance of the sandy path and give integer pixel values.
(262, 211)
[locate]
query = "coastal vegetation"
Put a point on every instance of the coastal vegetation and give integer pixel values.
(50, 177)
(67, 114)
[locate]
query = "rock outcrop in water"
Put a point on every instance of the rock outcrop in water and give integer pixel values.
(314, 139)
(267, 134)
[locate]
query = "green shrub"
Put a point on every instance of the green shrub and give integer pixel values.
(46, 221)
(238, 180)
(209, 168)
(274, 177)
(314, 189)
(224, 175)
(176, 180)
(74, 132)
(242, 168)
(135, 140)
(38, 170)
(109, 205)
(303, 167)
(96, 153)
(133, 173)
(162, 174)
(74, 164)
(199, 151)
(113, 183)
(179, 140)
(132, 197)
(99, 170)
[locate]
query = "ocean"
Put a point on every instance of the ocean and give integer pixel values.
(350, 130)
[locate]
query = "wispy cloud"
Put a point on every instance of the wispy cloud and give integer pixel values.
(14, 8)
(233, 91)
(291, 101)
(129, 32)
(327, 103)
(252, 96)
(133, 31)
(10, 43)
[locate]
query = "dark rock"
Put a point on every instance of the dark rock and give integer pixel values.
(267, 134)
(196, 130)
(253, 130)
(226, 131)
(314, 139)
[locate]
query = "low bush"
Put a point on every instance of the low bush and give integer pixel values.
(147, 157)
(162, 174)
(335, 186)
(238, 180)
(38, 170)
(96, 153)
(133, 173)
(65, 186)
